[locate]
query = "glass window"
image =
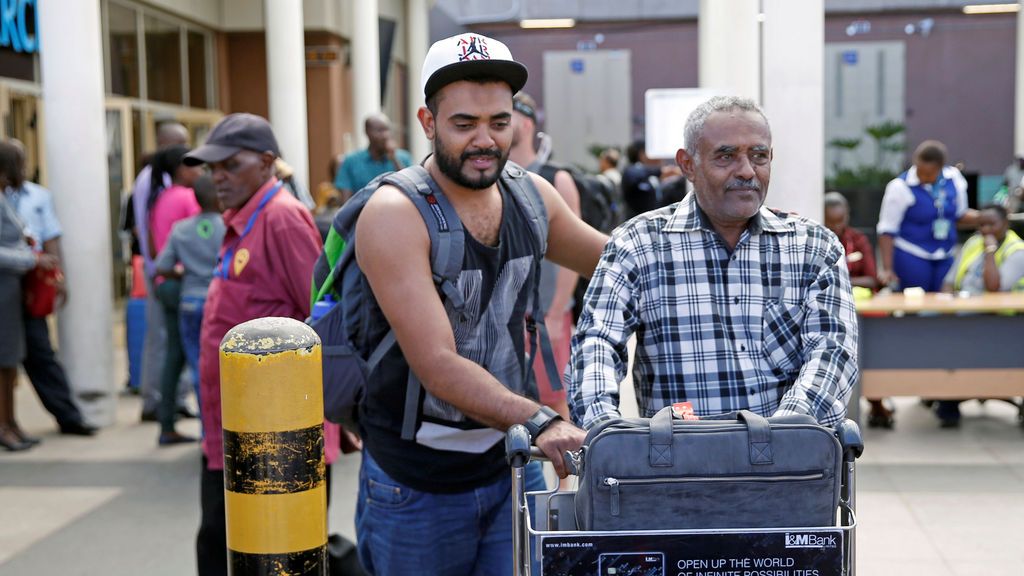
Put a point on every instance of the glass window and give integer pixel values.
(197, 89)
(163, 60)
(124, 50)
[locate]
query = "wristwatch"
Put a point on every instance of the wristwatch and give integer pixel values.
(540, 421)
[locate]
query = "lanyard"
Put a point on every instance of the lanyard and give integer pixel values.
(938, 194)
(223, 269)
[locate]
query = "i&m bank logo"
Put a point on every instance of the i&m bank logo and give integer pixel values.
(808, 540)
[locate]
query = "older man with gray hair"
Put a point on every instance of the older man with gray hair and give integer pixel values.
(734, 306)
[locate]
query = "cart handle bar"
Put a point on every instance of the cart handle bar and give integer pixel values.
(520, 450)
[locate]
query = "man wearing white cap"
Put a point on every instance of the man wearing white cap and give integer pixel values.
(439, 503)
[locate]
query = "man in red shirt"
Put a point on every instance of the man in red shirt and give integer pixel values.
(264, 269)
(860, 260)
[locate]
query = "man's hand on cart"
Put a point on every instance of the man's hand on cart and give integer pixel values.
(556, 439)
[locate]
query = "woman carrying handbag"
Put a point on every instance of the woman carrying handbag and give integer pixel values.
(16, 258)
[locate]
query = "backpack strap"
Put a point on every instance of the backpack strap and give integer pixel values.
(447, 251)
(519, 184)
(522, 189)
(447, 239)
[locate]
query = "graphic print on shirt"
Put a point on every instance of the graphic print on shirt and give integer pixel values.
(482, 336)
(204, 228)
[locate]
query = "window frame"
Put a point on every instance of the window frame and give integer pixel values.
(184, 28)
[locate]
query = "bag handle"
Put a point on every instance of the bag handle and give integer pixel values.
(759, 437)
(661, 439)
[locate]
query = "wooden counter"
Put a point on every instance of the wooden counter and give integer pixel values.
(942, 347)
(944, 303)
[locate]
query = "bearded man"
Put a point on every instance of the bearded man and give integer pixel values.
(439, 502)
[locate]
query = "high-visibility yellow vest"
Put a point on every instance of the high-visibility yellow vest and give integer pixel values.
(975, 247)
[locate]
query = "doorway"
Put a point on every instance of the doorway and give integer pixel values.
(587, 103)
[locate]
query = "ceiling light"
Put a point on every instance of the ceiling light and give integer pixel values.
(548, 23)
(991, 8)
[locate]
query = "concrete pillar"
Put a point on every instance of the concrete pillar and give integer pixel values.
(794, 99)
(286, 81)
(1018, 132)
(365, 66)
(730, 50)
(74, 130)
(417, 42)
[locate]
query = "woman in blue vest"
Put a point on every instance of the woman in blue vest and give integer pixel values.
(921, 210)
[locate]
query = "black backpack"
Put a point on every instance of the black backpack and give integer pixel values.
(598, 198)
(348, 360)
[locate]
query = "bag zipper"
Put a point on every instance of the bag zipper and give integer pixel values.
(614, 483)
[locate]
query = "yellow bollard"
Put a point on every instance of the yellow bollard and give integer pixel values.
(272, 408)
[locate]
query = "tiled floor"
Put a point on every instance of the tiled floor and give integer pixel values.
(937, 501)
(931, 501)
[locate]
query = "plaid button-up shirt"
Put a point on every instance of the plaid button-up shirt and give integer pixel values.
(768, 327)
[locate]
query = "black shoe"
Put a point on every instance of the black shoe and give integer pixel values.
(949, 423)
(186, 412)
(171, 438)
(881, 420)
(78, 429)
(30, 440)
(12, 442)
(149, 416)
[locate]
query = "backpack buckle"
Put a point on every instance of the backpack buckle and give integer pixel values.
(452, 294)
(531, 324)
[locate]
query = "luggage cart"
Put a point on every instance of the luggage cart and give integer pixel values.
(555, 546)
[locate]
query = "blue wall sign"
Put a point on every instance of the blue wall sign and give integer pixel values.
(19, 25)
(850, 57)
(576, 65)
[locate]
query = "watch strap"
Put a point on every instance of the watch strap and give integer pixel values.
(540, 421)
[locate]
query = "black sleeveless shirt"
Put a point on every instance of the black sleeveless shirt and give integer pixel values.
(451, 452)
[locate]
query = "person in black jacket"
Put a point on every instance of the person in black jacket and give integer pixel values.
(642, 181)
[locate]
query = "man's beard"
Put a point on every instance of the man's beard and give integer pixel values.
(451, 166)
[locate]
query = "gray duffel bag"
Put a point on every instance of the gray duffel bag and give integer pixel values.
(738, 470)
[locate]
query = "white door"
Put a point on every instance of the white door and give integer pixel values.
(587, 103)
(864, 86)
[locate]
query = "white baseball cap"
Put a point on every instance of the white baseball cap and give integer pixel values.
(455, 58)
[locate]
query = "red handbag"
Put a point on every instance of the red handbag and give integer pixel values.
(40, 290)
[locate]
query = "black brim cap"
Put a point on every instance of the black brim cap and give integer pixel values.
(210, 153)
(235, 132)
(468, 55)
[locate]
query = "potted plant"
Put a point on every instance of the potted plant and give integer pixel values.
(864, 184)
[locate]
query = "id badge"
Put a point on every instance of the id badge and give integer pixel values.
(940, 229)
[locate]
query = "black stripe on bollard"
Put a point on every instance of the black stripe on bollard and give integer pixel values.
(273, 462)
(308, 562)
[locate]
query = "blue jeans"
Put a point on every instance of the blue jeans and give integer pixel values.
(190, 316)
(405, 531)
